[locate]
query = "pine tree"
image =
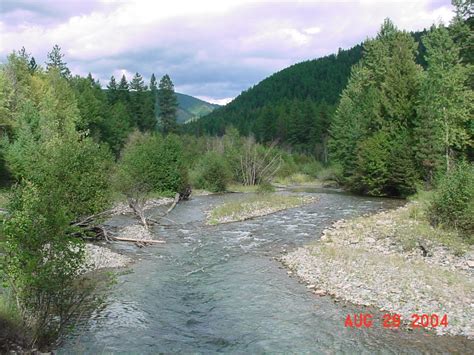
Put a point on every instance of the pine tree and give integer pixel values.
(117, 127)
(153, 93)
(168, 105)
(112, 91)
(137, 87)
(92, 104)
(445, 99)
(137, 84)
(123, 91)
(141, 106)
(23, 54)
(55, 61)
(153, 84)
(378, 102)
(32, 65)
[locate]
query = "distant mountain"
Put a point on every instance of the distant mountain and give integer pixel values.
(191, 108)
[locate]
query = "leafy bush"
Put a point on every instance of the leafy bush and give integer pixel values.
(312, 168)
(76, 175)
(212, 173)
(288, 166)
(453, 202)
(43, 263)
(151, 163)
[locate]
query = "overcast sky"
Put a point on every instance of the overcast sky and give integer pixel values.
(211, 49)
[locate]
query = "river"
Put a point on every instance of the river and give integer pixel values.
(219, 288)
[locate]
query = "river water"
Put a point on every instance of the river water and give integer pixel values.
(219, 289)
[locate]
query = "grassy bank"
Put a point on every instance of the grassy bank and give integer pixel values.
(13, 335)
(395, 261)
(253, 206)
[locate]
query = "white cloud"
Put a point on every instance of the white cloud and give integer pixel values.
(235, 43)
(223, 101)
(312, 30)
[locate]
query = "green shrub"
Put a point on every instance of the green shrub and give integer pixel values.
(151, 163)
(212, 173)
(288, 166)
(453, 201)
(76, 175)
(312, 168)
(43, 262)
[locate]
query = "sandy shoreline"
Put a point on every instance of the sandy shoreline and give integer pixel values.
(362, 261)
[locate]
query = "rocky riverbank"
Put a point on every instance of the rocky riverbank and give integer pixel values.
(102, 257)
(393, 262)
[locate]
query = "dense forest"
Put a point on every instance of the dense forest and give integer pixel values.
(292, 106)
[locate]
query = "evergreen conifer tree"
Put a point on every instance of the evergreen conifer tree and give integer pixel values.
(55, 61)
(168, 105)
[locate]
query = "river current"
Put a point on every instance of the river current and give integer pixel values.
(214, 289)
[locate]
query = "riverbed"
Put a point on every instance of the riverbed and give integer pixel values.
(220, 289)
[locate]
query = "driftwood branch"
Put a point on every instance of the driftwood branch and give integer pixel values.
(144, 241)
(175, 202)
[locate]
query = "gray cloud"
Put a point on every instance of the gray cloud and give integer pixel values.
(210, 48)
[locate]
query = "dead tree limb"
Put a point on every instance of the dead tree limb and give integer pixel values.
(176, 200)
(138, 207)
(144, 241)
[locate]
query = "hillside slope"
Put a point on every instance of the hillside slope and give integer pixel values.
(191, 108)
(321, 79)
(293, 106)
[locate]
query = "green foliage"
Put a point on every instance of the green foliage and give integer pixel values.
(117, 127)
(331, 173)
(372, 171)
(453, 201)
(55, 62)
(63, 176)
(151, 163)
(92, 105)
(168, 105)
(288, 166)
(404, 176)
(212, 173)
(445, 103)
(284, 105)
(42, 263)
(73, 170)
(394, 123)
(76, 175)
(142, 104)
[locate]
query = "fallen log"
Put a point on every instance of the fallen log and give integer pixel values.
(176, 200)
(145, 241)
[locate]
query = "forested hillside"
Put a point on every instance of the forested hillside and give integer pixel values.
(292, 106)
(191, 108)
(284, 106)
